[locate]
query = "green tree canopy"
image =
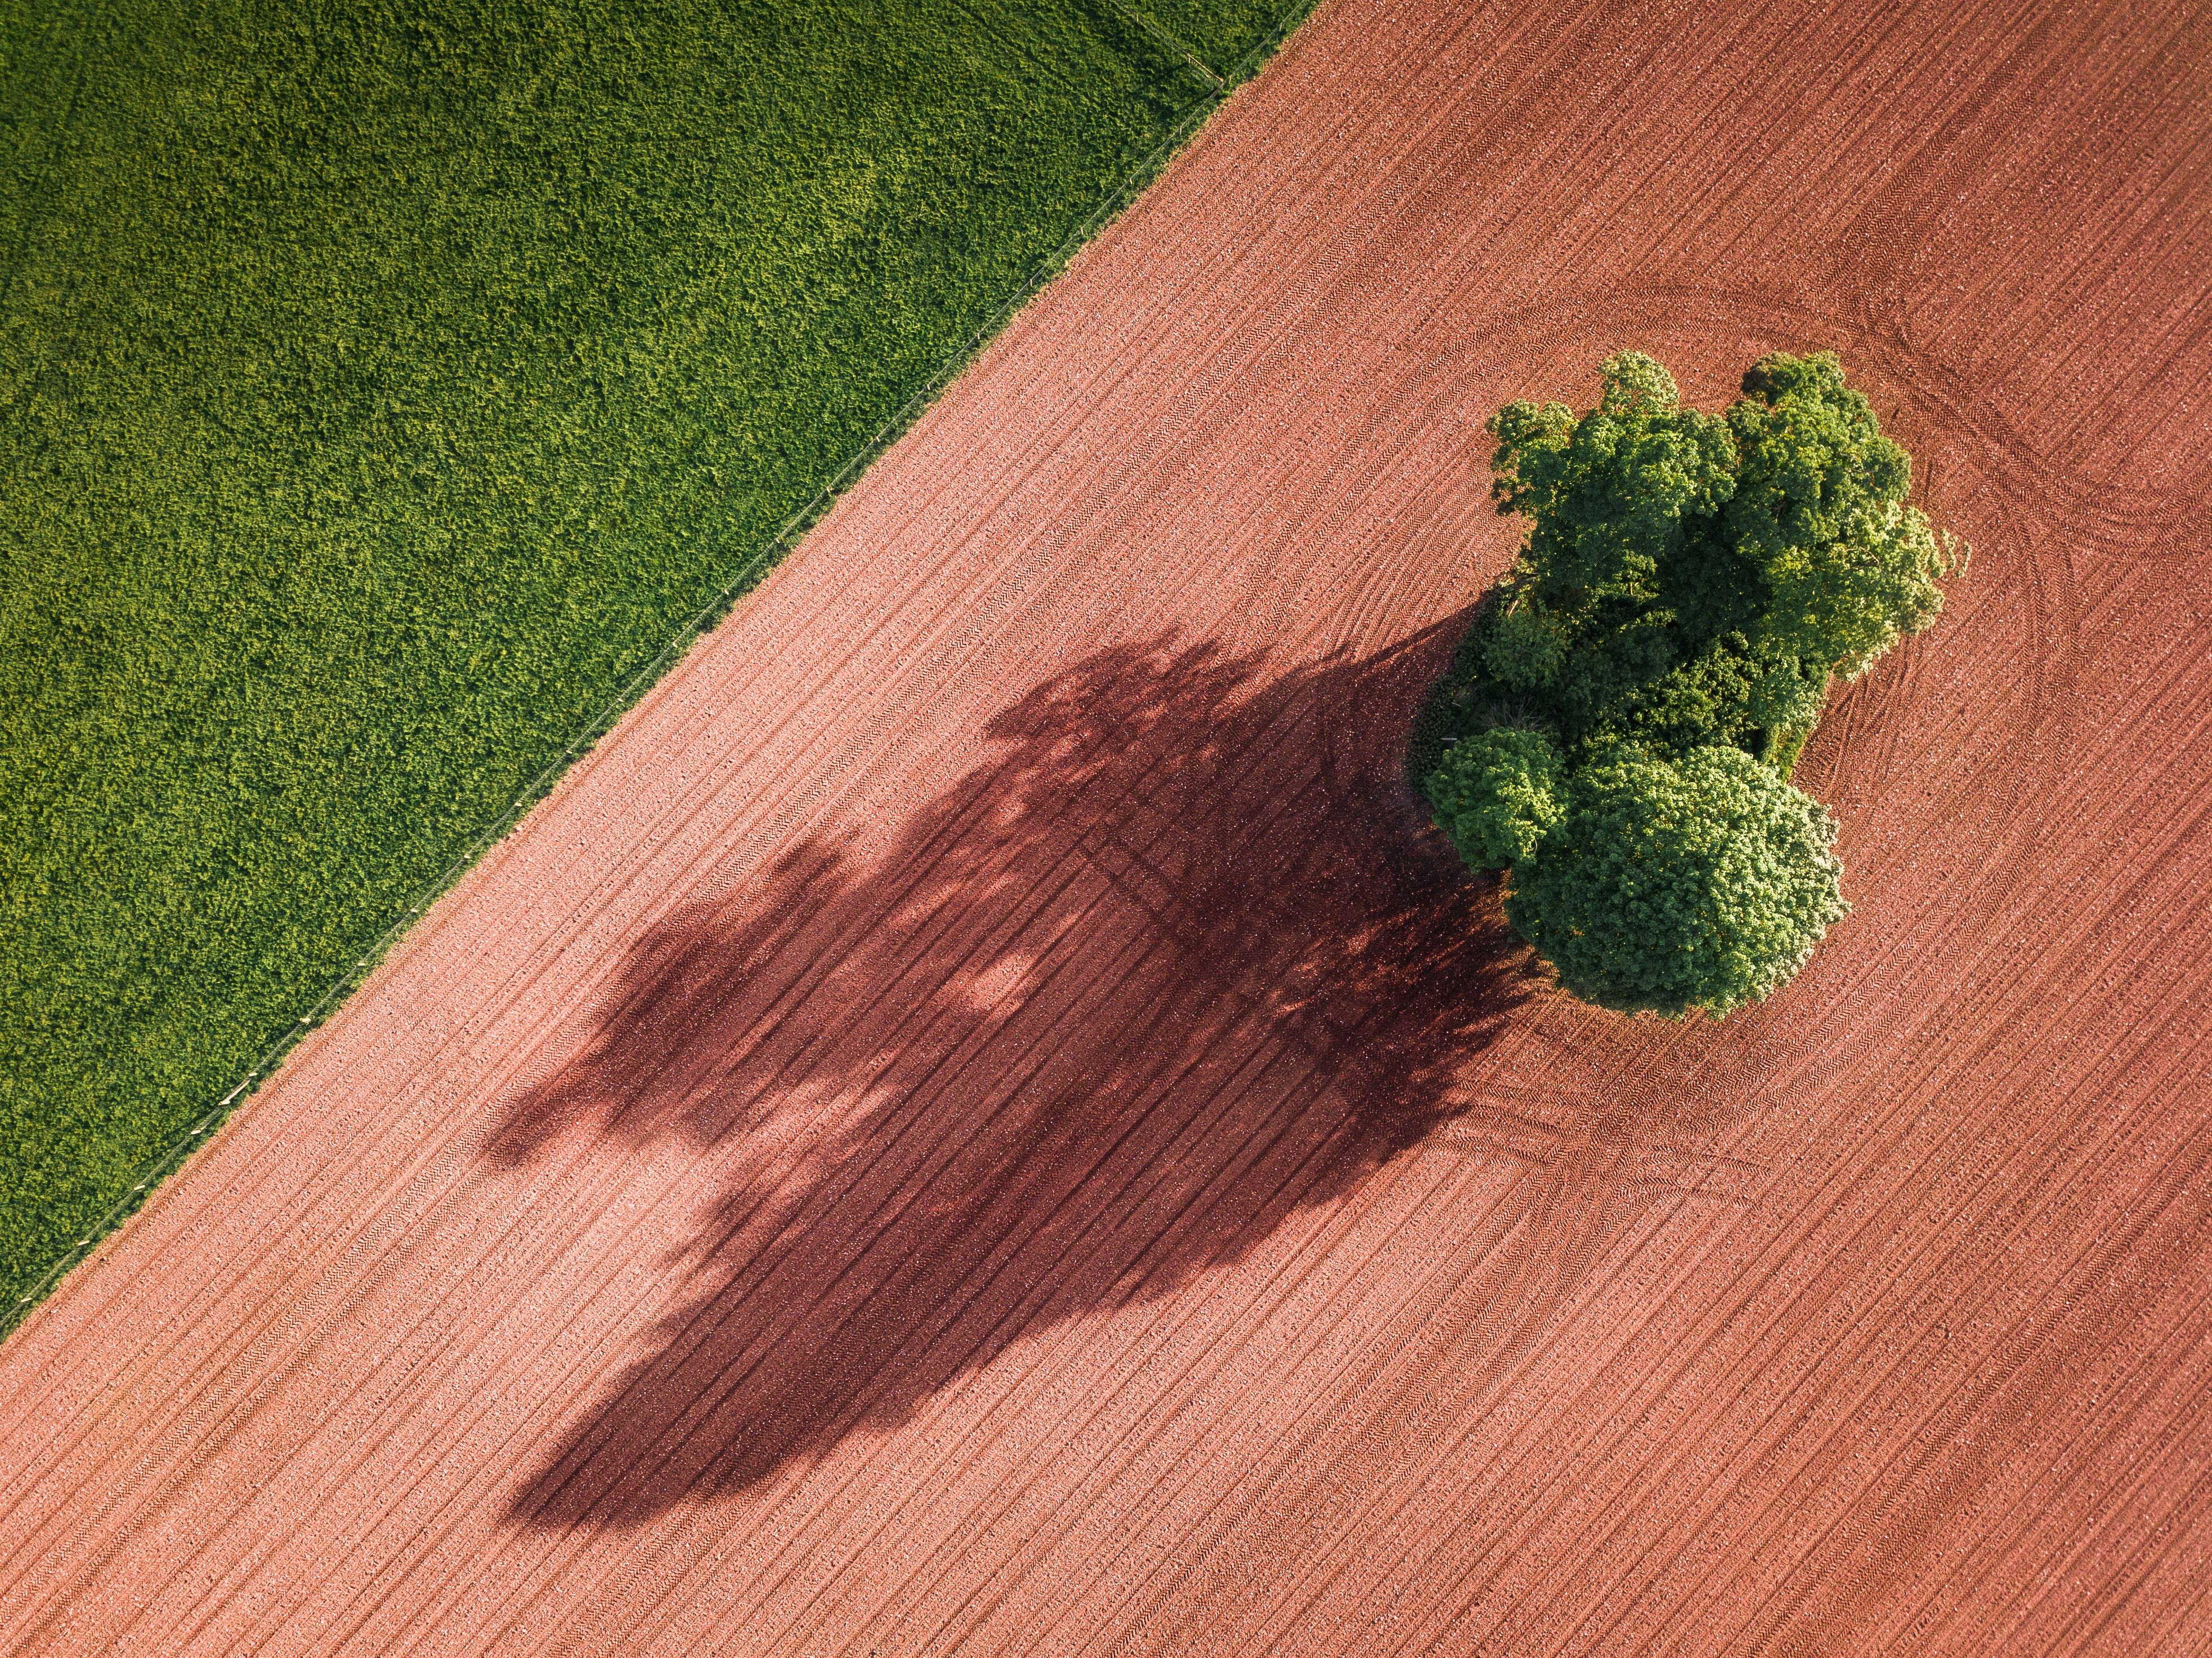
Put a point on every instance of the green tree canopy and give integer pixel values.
(1669, 885)
(1496, 795)
(1623, 717)
(1611, 495)
(1786, 517)
(1819, 509)
(1527, 646)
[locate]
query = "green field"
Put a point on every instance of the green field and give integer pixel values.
(384, 387)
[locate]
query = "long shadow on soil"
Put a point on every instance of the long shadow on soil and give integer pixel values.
(1179, 958)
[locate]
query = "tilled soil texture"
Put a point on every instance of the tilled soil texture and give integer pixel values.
(982, 1120)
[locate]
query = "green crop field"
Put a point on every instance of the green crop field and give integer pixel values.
(384, 387)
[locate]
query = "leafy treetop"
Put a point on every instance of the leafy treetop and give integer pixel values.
(1628, 708)
(1785, 519)
(1667, 886)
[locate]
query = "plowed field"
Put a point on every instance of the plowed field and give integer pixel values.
(981, 1120)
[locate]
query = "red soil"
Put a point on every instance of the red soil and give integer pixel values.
(981, 1120)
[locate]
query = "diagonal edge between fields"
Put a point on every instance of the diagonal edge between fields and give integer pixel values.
(751, 570)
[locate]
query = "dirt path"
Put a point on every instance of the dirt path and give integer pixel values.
(981, 1120)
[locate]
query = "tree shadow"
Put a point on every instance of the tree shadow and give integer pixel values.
(1181, 958)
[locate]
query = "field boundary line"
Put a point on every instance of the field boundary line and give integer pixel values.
(750, 571)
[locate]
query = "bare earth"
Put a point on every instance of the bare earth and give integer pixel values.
(982, 1120)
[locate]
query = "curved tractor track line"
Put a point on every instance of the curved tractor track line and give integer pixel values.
(981, 1120)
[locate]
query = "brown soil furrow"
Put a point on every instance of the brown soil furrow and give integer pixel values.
(1692, 1434)
(891, 1605)
(1923, 1437)
(2167, 1534)
(1382, 1433)
(1222, 1349)
(1689, 1432)
(1724, 1551)
(2074, 1495)
(2089, 1508)
(1945, 1274)
(981, 1120)
(2144, 1520)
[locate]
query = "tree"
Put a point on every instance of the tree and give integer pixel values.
(1496, 795)
(1610, 494)
(1819, 508)
(1704, 883)
(1786, 517)
(1690, 587)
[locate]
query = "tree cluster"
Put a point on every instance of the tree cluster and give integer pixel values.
(1623, 716)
